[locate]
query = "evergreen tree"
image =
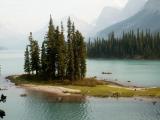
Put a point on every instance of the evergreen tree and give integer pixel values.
(27, 67)
(61, 53)
(83, 60)
(59, 59)
(76, 51)
(81, 52)
(51, 53)
(31, 50)
(70, 54)
(34, 54)
(44, 58)
(132, 44)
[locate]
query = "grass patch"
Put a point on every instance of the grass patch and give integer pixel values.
(90, 87)
(25, 79)
(149, 92)
(104, 91)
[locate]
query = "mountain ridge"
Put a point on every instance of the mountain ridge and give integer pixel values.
(147, 18)
(110, 15)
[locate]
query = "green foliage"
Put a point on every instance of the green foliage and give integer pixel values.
(27, 67)
(34, 55)
(137, 45)
(44, 58)
(51, 50)
(90, 87)
(61, 53)
(70, 52)
(59, 59)
(82, 55)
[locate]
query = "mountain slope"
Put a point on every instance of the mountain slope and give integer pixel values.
(10, 39)
(131, 8)
(147, 18)
(110, 15)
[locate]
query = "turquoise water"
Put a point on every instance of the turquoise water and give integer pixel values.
(39, 106)
(139, 72)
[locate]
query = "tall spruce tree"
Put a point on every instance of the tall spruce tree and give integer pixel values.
(43, 59)
(81, 54)
(27, 65)
(70, 54)
(34, 54)
(83, 59)
(59, 59)
(31, 50)
(51, 53)
(61, 54)
(75, 53)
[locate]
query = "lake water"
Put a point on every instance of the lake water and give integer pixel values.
(37, 106)
(139, 72)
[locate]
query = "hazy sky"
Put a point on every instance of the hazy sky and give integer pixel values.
(30, 15)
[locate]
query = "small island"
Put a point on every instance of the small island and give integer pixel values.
(59, 68)
(84, 88)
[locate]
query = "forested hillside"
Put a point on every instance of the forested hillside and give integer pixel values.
(147, 18)
(138, 45)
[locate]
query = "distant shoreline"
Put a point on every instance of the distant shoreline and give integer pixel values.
(114, 58)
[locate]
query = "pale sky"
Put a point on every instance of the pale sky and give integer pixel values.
(30, 15)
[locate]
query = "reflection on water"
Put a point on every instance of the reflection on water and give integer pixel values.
(50, 97)
(36, 106)
(48, 110)
(3, 100)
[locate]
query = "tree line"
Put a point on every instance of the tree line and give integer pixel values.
(58, 58)
(138, 44)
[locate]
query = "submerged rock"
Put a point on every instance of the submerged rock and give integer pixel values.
(3, 98)
(23, 95)
(106, 73)
(154, 102)
(2, 114)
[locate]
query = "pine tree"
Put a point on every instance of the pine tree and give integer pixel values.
(27, 67)
(75, 43)
(131, 45)
(35, 61)
(82, 55)
(43, 58)
(61, 54)
(34, 54)
(59, 59)
(70, 56)
(31, 50)
(83, 59)
(51, 54)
